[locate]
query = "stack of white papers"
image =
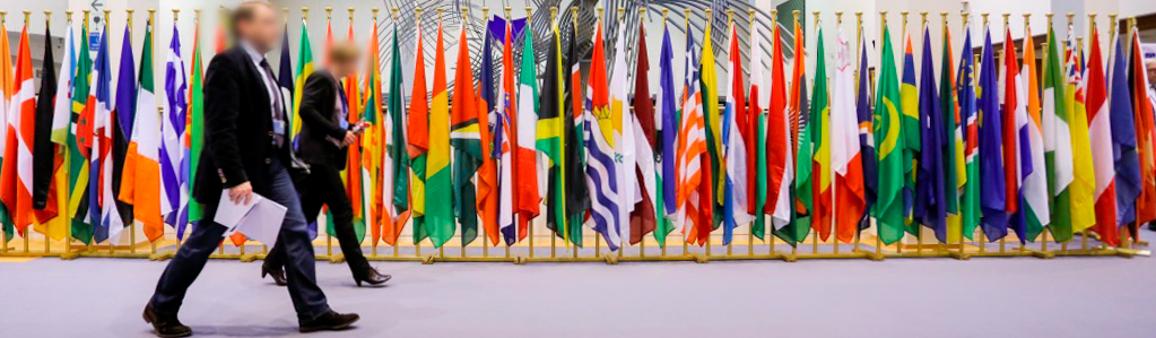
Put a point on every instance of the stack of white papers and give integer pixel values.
(260, 219)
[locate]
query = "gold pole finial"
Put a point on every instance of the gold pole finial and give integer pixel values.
(328, 13)
(529, 13)
(1112, 24)
(350, 10)
(27, 16)
(508, 10)
(47, 16)
(903, 19)
(553, 14)
(176, 14)
(665, 12)
(1071, 17)
(816, 14)
(923, 18)
(375, 11)
(795, 13)
(984, 15)
(304, 13)
(107, 15)
(1006, 19)
(839, 17)
(68, 16)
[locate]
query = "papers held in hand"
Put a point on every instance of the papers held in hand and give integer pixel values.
(260, 219)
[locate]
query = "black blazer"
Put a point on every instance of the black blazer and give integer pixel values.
(321, 122)
(238, 131)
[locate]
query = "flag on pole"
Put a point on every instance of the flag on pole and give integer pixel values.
(549, 136)
(713, 119)
(488, 173)
(175, 199)
(417, 129)
(888, 130)
(1145, 135)
(602, 171)
(955, 173)
(439, 215)
(1101, 142)
(993, 187)
(1035, 183)
(44, 159)
(780, 158)
(909, 100)
(866, 135)
(850, 198)
(667, 125)
(969, 116)
(7, 87)
(503, 140)
(734, 136)
(466, 138)
(142, 185)
(800, 224)
(1083, 188)
(1057, 142)
(1018, 164)
(1123, 130)
(192, 139)
(52, 127)
(818, 125)
(645, 216)
(577, 193)
(16, 181)
(99, 136)
(757, 143)
(624, 145)
(76, 140)
(930, 207)
(304, 69)
(694, 197)
(527, 185)
(396, 164)
(356, 178)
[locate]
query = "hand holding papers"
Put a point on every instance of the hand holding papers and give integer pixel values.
(260, 219)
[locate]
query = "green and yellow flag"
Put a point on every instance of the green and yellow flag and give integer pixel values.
(888, 208)
(304, 69)
(439, 208)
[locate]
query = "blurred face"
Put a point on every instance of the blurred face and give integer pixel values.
(263, 30)
(343, 68)
(1152, 72)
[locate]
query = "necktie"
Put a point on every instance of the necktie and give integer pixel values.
(278, 106)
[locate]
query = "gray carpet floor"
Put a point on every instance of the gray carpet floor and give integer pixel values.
(993, 297)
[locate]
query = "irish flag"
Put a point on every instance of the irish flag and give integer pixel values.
(141, 184)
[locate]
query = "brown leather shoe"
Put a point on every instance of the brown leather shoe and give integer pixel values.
(165, 326)
(329, 321)
(278, 274)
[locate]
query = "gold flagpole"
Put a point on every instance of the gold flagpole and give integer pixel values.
(815, 234)
(751, 20)
(598, 240)
(665, 12)
(417, 11)
(375, 11)
(4, 234)
(485, 24)
(658, 218)
(835, 240)
(966, 27)
(858, 49)
(878, 238)
(68, 213)
(774, 27)
(709, 23)
(798, 54)
(530, 226)
(1027, 23)
(686, 25)
(731, 25)
(574, 20)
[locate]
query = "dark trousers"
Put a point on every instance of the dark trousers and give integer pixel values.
(183, 269)
(323, 186)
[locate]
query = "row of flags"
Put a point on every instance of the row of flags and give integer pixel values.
(997, 147)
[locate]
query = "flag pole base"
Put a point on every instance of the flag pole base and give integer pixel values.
(337, 258)
(249, 258)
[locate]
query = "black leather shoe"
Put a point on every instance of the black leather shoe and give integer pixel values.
(165, 326)
(329, 321)
(277, 273)
(372, 277)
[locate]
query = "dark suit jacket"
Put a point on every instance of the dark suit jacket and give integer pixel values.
(321, 122)
(238, 134)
